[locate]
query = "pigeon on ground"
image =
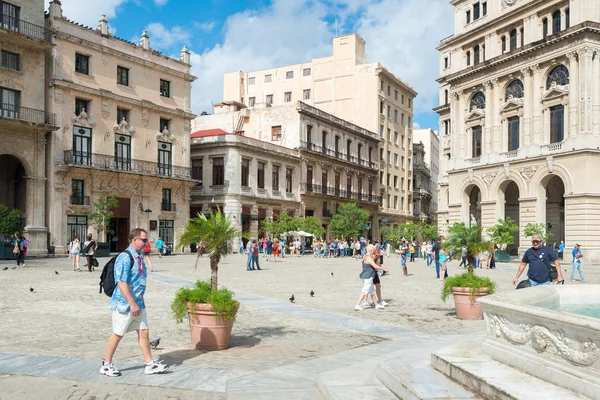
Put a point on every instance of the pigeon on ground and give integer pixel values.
(5, 268)
(332, 274)
(56, 272)
(312, 293)
(155, 343)
(31, 289)
(14, 268)
(292, 299)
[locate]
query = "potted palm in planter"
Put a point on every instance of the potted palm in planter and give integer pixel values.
(466, 288)
(211, 310)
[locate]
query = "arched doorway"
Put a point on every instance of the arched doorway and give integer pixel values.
(13, 184)
(511, 210)
(474, 206)
(555, 208)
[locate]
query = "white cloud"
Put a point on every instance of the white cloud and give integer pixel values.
(164, 38)
(160, 2)
(205, 26)
(88, 12)
(416, 125)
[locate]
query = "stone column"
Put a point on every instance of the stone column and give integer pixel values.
(498, 98)
(596, 92)
(454, 146)
(585, 89)
(233, 209)
(35, 229)
(527, 84)
(489, 106)
(573, 95)
(460, 128)
(537, 107)
(488, 215)
(254, 222)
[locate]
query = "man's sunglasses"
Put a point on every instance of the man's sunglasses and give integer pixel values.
(143, 240)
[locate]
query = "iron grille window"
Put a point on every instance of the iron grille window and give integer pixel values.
(82, 145)
(81, 105)
(324, 182)
(349, 186)
(123, 152)
(288, 180)
(11, 102)
(275, 178)
(82, 64)
(10, 60)
(559, 75)
(165, 88)
(77, 225)
(513, 133)
(309, 178)
(218, 178)
(77, 192)
(122, 115)
(165, 158)
(166, 231)
(166, 200)
(515, 90)
(476, 141)
(477, 101)
(260, 175)
(123, 76)
(557, 123)
(245, 171)
(10, 16)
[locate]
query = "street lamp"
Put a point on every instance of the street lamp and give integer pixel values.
(148, 212)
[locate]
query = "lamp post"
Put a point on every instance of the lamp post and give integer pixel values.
(148, 212)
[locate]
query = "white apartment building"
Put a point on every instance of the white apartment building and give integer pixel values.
(520, 118)
(431, 159)
(348, 87)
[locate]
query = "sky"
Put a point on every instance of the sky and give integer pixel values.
(235, 35)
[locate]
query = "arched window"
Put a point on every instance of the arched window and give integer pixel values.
(478, 101)
(515, 90)
(513, 40)
(556, 20)
(476, 55)
(468, 58)
(559, 75)
(503, 44)
(545, 27)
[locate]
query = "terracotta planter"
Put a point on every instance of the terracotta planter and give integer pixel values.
(208, 330)
(467, 306)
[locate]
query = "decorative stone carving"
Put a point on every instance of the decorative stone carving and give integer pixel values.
(528, 172)
(105, 109)
(550, 163)
(470, 172)
(165, 135)
(506, 170)
(544, 340)
(58, 96)
(104, 60)
(488, 178)
(83, 119)
(145, 117)
(124, 128)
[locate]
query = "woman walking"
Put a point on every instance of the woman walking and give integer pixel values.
(18, 249)
(75, 251)
(369, 272)
(443, 263)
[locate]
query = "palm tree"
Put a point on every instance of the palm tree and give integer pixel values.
(213, 233)
(459, 236)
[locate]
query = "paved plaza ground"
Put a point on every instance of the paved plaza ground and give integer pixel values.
(52, 341)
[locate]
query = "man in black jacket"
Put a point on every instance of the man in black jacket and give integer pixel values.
(540, 258)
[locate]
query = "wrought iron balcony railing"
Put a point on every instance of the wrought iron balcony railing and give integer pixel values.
(25, 28)
(27, 114)
(337, 154)
(112, 163)
(80, 200)
(166, 206)
(332, 191)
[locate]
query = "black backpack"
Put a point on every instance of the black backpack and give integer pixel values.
(107, 279)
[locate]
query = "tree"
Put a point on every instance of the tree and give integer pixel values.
(428, 231)
(385, 231)
(312, 225)
(213, 233)
(10, 221)
(102, 213)
(537, 229)
(503, 232)
(349, 220)
(281, 224)
(459, 236)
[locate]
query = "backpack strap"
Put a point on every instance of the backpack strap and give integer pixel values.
(130, 258)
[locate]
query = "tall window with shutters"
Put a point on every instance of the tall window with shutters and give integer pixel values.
(218, 171)
(476, 132)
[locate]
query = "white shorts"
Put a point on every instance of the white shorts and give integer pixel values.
(368, 286)
(124, 322)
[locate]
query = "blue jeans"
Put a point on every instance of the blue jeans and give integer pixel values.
(255, 262)
(534, 283)
(249, 262)
(429, 259)
(403, 260)
(577, 267)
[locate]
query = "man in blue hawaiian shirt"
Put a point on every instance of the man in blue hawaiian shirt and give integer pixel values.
(128, 306)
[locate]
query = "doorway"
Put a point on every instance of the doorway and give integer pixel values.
(119, 226)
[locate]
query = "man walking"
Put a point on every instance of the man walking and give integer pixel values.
(90, 246)
(577, 263)
(463, 258)
(250, 251)
(159, 246)
(128, 306)
(539, 258)
(429, 250)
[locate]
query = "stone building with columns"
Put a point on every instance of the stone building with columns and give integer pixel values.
(520, 118)
(24, 123)
(257, 162)
(125, 119)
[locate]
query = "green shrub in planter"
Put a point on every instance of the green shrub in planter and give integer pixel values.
(221, 300)
(467, 280)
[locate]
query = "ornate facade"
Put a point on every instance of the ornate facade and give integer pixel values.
(125, 121)
(520, 118)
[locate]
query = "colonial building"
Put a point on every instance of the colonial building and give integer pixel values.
(257, 162)
(520, 118)
(348, 87)
(124, 116)
(422, 190)
(25, 126)
(431, 161)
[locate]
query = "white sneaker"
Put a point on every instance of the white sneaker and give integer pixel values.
(365, 304)
(383, 303)
(379, 306)
(109, 370)
(155, 367)
(358, 308)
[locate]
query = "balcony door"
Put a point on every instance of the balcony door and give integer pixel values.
(10, 16)
(309, 178)
(164, 158)
(123, 152)
(11, 100)
(82, 145)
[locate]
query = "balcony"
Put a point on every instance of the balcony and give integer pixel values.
(197, 174)
(77, 200)
(166, 206)
(331, 191)
(336, 154)
(18, 114)
(26, 32)
(110, 163)
(421, 191)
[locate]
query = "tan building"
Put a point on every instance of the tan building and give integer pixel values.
(422, 189)
(431, 160)
(347, 86)
(520, 118)
(125, 121)
(292, 157)
(24, 124)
